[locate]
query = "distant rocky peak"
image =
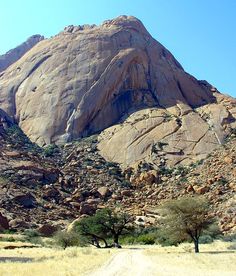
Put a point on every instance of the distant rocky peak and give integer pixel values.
(123, 21)
(74, 29)
(16, 53)
(34, 39)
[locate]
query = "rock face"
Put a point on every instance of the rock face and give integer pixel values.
(164, 138)
(5, 122)
(4, 225)
(13, 55)
(116, 76)
(75, 180)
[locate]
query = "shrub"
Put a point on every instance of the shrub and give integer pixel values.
(232, 246)
(229, 238)
(128, 240)
(141, 235)
(205, 239)
(66, 239)
(51, 150)
(149, 238)
(31, 233)
(7, 239)
(33, 236)
(165, 239)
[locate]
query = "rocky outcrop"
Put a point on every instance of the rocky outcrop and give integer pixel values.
(162, 137)
(90, 77)
(4, 224)
(5, 122)
(85, 182)
(115, 77)
(13, 55)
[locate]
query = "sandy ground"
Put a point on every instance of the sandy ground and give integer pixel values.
(216, 259)
(129, 262)
(140, 263)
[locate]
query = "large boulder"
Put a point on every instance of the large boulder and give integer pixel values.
(4, 224)
(104, 191)
(25, 200)
(89, 78)
(87, 209)
(47, 229)
(19, 223)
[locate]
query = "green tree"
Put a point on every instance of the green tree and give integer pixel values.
(186, 218)
(103, 225)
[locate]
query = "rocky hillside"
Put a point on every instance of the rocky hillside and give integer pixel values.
(122, 124)
(55, 185)
(52, 185)
(13, 55)
(117, 79)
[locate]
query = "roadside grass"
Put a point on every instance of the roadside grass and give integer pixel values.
(53, 261)
(214, 259)
(217, 258)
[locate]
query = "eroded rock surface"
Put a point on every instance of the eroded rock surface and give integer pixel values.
(13, 55)
(89, 78)
(167, 138)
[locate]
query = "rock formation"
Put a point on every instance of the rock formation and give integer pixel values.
(13, 55)
(117, 79)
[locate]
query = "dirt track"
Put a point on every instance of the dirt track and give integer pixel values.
(130, 262)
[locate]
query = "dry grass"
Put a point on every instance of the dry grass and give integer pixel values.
(214, 259)
(53, 262)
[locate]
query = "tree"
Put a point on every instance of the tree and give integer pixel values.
(186, 218)
(103, 225)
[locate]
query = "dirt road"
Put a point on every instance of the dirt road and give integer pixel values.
(130, 262)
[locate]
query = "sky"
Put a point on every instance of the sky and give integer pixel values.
(201, 34)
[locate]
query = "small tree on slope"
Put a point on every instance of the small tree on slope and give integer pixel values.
(186, 218)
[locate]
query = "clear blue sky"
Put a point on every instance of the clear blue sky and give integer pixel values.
(200, 33)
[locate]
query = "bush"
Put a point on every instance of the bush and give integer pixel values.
(31, 233)
(149, 238)
(128, 240)
(229, 238)
(9, 231)
(51, 150)
(213, 231)
(141, 236)
(7, 239)
(205, 239)
(164, 239)
(232, 246)
(33, 236)
(66, 239)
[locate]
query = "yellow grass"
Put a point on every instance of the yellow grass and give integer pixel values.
(214, 260)
(53, 262)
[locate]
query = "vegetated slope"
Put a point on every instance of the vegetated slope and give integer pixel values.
(88, 78)
(213, 177)
(14, 54)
